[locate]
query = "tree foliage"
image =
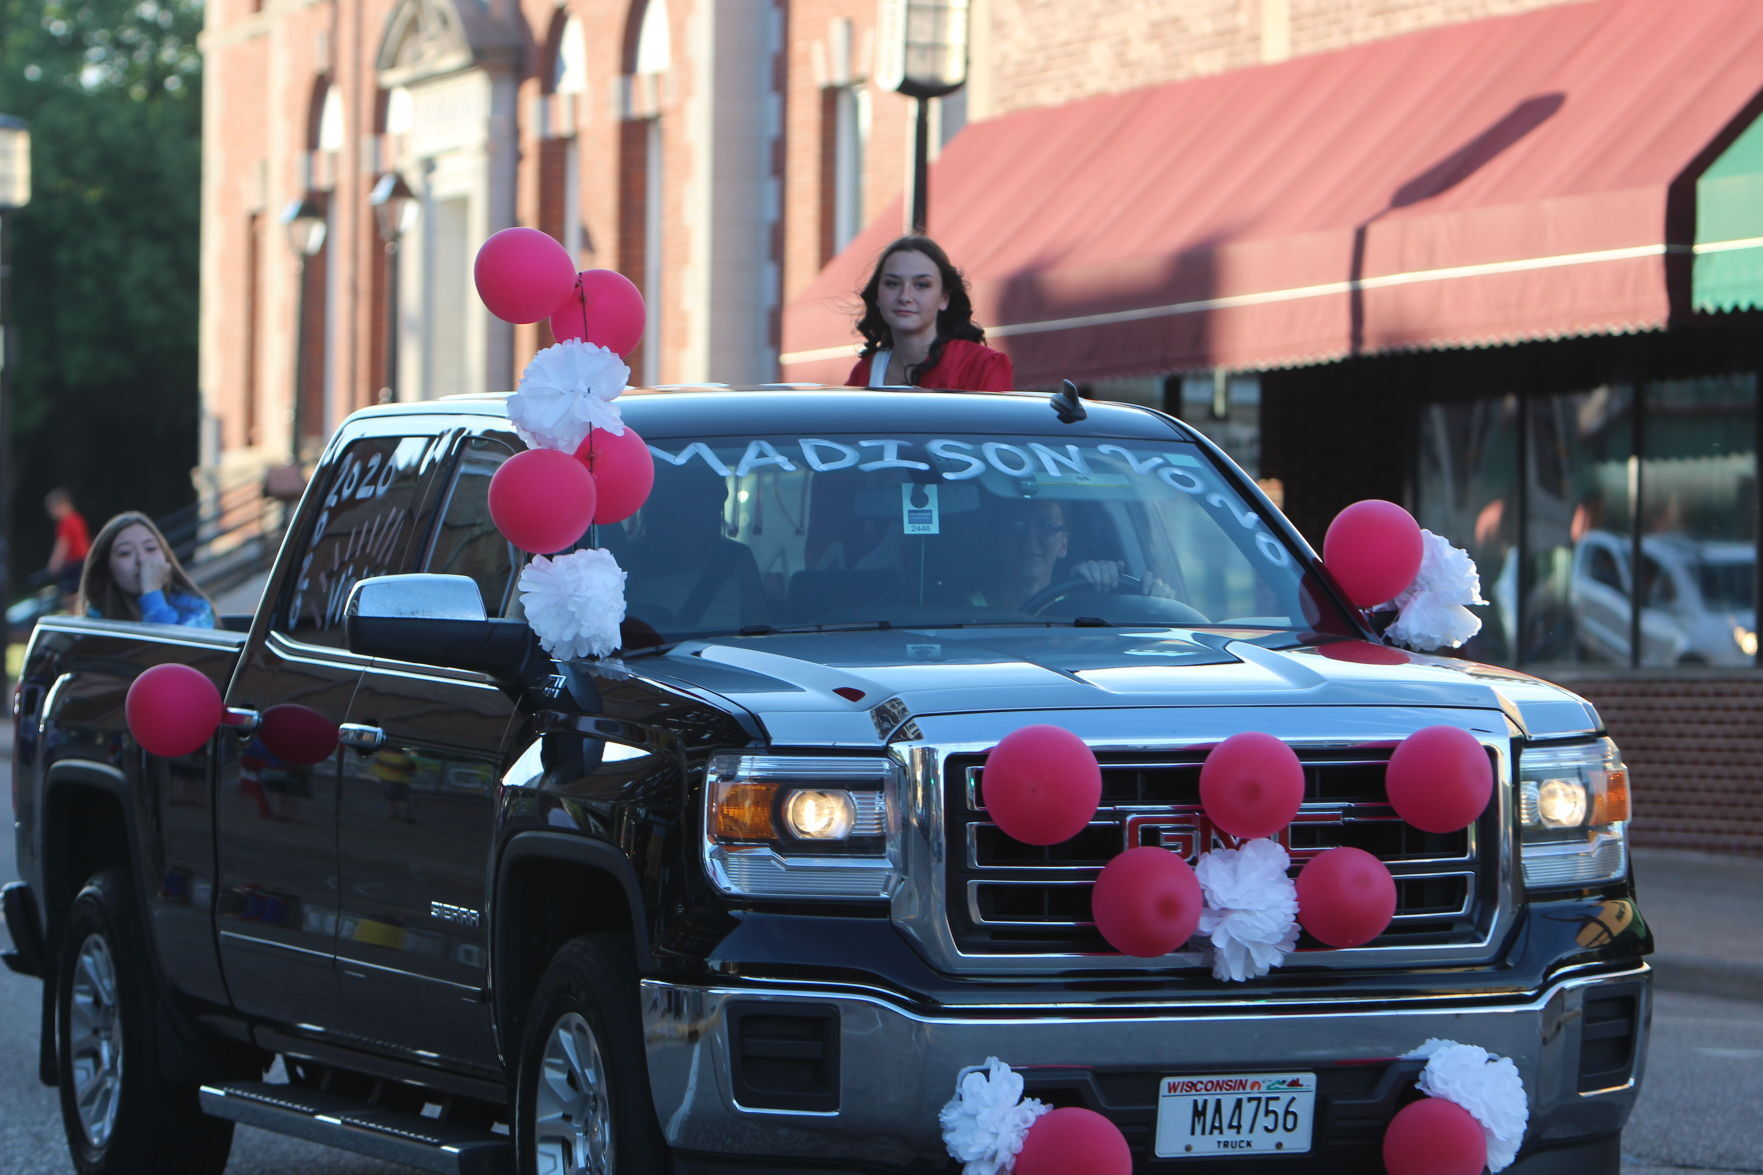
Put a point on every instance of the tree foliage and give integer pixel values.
(104, 273)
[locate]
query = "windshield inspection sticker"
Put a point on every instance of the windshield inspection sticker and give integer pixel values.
(919, 512)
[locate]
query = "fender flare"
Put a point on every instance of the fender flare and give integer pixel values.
(595, 855)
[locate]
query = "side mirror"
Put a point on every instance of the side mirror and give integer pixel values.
(437, 620)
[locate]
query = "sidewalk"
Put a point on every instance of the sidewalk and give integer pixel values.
(1703, 911)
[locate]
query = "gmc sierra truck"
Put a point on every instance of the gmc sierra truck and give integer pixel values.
(728, 899)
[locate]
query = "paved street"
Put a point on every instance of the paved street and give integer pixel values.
(1698, 1098)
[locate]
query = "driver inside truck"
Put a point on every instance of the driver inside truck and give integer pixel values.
(1033, 539)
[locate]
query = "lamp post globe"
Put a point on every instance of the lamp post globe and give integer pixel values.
(306, 225)
(922, 53)
(395, 209)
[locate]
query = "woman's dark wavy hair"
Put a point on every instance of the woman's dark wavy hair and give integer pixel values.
(954, 321)
(99, 587)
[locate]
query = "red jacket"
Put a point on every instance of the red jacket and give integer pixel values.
(964, 366)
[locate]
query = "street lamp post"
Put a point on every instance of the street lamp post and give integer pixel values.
(15, 193)
(395, 209)
(306, 224)
(922, 53)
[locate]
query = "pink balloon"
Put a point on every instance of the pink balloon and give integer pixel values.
(1146, 902)
(604, 308)
(1041, 785)
(522, 274)
(172, 710)
(297, 735)
(1073, 1141)
(1251, 785)
(542, 500)
(1346, 897)
(623, 469)
(1439, 779)
(1434, 1137)
(1373, 548)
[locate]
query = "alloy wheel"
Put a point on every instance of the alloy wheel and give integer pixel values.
(572, 1126)
(95, 1039)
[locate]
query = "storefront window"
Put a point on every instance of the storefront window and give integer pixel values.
(1596, 516)
(1468, 492)
(1575, 584)
(1698, 519)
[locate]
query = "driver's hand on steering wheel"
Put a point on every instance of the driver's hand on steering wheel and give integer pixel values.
(1104, 576)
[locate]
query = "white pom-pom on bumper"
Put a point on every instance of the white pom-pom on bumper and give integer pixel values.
(574, 603)
(1251, 908)
(567, 389)
(1486, 1085)
(987, 1119)
(1431, 611)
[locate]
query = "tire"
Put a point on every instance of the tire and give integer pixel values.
(121, 1116)
(581, 1100)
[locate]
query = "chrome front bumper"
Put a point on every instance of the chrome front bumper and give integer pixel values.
(898, 1067)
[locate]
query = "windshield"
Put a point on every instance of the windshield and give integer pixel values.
(750, 534)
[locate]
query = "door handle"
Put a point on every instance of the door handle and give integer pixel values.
(362, 736)
(243, 720)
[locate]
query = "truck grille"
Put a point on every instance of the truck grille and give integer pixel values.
(1008, 898)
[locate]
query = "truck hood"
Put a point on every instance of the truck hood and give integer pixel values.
(859, 687)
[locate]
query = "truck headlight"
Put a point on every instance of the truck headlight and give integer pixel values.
(1573, 814)
(802, 826)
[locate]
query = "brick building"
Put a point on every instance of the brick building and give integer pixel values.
(1496, 259)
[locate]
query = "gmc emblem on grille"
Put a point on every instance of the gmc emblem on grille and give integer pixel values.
(1190, 832)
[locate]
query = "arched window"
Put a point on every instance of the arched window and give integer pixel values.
(569, 69)
(650, 61)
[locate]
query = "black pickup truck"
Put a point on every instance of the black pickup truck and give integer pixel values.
(728, 899)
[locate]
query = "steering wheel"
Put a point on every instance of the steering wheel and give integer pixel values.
(1125, 585)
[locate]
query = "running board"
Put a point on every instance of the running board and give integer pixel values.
(350, 1125)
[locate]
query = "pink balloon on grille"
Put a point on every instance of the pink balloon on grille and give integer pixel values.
(1251, 785)
(1439, 779)
(1346, 897)
(1041, 784)
(1146, 902)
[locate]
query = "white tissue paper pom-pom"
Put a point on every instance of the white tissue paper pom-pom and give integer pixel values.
(1486, 1085)
(1251, 908)
(567, 389)
(987, 1119)
(574, 603)
(1431, 610)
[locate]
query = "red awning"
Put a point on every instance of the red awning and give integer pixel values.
(1523, 177)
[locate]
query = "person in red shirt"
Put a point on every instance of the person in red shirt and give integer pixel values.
(918, 327)
(67, 558)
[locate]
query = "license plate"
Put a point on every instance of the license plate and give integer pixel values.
(1211, 1116)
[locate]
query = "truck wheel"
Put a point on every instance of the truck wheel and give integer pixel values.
(121, 1117)
(581, 1100)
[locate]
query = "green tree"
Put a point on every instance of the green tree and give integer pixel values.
(104, 258)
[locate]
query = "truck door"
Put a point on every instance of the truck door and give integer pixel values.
(276, 906)
(417, 816)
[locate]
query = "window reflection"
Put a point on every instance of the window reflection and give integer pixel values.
(1698, 484)
(1584, 538)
